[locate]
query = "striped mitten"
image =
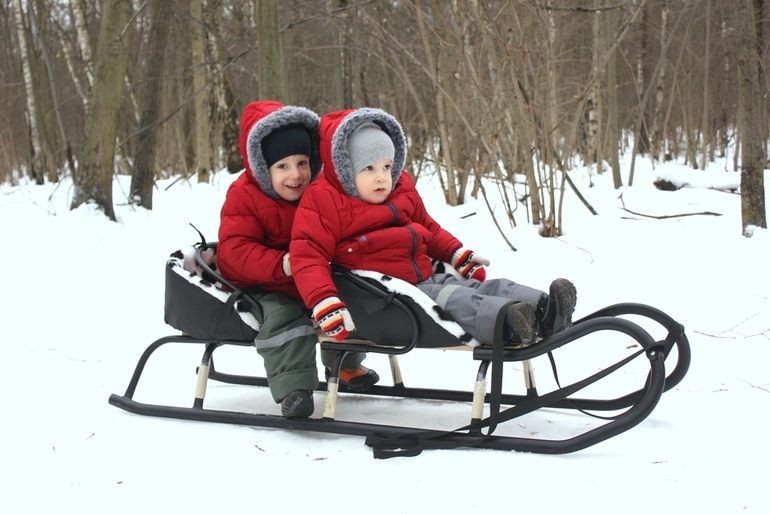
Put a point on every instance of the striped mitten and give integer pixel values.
(334, 318)
(470, 264)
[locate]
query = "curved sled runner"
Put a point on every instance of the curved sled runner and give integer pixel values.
(411, 327)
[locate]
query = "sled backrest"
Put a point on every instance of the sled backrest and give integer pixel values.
(202, 303)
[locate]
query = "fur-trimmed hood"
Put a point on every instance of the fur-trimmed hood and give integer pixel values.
(260, 119)
(336, 128)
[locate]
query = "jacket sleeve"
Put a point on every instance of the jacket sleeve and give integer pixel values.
(314, 238)
(241, 255)
(443, 244)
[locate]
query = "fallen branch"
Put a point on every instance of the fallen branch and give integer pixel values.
(666, 216)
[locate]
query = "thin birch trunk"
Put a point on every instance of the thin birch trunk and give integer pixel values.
(84, 40)
(68, 58)
(38, 157)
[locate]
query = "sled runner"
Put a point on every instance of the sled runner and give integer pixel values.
(212, 313)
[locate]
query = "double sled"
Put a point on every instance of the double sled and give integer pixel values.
(395, 319)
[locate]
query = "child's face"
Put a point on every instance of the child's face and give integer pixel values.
(290, 176)
(375, 182)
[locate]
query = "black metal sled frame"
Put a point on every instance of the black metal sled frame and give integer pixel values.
(393, 440)
(638, 404)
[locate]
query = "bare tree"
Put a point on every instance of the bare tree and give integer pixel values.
(657, 111)
(752, 130)
(270, 75)
(344, 78)
(143, 176)
(84, 40)
(705, 120)
(38, 157)
(613, 134)
(93, 182)
(200, 90)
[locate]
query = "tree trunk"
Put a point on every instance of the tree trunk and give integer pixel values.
(657, 112)
(37, 157)
(94, 179)
(644, 140)
(345, 76)
(84, 40)
(270, 84)
(723, 117)
(143, 176)
(705, 131)
(612, 94)
(70, 60)
(450, 191)
(593, 104)
(212, 11)
(200, 90)
(231, 130)
(37, 21)
(751, 127)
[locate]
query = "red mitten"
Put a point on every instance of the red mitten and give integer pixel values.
(334, 318)
(470, 264)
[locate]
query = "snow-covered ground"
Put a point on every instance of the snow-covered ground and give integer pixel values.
(82, 297)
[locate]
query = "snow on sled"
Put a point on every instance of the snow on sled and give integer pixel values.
(394, 318)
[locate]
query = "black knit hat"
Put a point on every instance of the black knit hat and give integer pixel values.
(285, 141)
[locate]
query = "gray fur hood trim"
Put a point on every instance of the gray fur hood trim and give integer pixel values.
(288, 115)
(341, 156)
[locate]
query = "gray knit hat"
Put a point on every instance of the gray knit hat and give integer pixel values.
(367, 144)
(341, 158)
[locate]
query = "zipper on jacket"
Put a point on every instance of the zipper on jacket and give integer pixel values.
(413, 252)
(395, 212)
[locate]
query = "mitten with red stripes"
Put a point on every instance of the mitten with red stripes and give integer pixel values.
(333, 318)
(470, 264)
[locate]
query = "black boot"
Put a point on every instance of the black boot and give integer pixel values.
(521, 323)
(297, 404)
(555, 311)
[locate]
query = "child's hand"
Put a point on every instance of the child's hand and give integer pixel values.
(286, 265)
(334, 318)
(470, 264)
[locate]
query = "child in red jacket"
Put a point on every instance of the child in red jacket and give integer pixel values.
(364, 213)
(279, 145)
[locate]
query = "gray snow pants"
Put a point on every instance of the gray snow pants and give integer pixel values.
(474, 305)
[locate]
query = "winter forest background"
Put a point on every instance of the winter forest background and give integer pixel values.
(508, 90)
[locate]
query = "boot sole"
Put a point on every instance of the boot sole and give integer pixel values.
(566, 297)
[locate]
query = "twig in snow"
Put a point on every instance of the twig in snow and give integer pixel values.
(667, 216)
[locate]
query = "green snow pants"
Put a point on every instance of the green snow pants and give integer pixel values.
(286, 342)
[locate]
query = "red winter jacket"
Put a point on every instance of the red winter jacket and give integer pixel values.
(397, 238)
(255, 225)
